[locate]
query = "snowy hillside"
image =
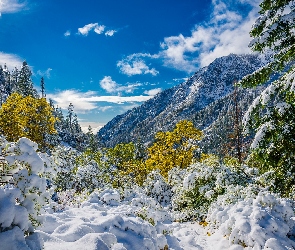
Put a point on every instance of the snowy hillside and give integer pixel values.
(162, 112)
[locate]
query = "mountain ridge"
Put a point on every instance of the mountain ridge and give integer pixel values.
(180, 102)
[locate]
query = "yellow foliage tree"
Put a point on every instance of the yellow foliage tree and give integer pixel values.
(27, 117)
(173, 149)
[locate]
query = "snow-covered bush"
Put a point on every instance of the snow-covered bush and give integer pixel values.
(91, 171)
(21, 200)
(90, 177)
(27, 168)
(263, 221)
(51, 168)
(14, 221)
(196, 187)
(149, 209)
(138, 203)
(156, 187)
(110, 196)
(12, 214)
(65, 159)
(80, 172)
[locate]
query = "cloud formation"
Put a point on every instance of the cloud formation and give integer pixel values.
(45, 73)
(108, 84)
(87, 101)
(99, 29)
(135, 65)
(152, 92)
(110, 32)
(89, 27)
(67, 33)
(10, 60)
(95, 27)
(11, 6)
(111, 86)
(226, 32)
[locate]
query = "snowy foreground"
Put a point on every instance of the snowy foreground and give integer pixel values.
(97, 226)
(104, 221)
(245, 216)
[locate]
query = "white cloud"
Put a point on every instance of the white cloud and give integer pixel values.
(226, 32)
(88, 27)
(111, 86)
(135, 65)
(110, 32)
(130, 87)
(108, 84)
(153, 92)
(120, 99)
(67, 33)
(45, 73)
(87, 101)
(11, 6)
(79, 100)
(10, 60)
(99, 29)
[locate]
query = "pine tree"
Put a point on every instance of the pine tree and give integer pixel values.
(24, 84)
(42, 85)
(2, 85)
(5, 84)
(273, 31)
(271, 115)
(91, 140)
(70, 116)
(14, 76)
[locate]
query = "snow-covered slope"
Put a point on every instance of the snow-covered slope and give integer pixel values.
(183, 101)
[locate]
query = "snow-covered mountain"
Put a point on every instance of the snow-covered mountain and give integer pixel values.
(184, 101)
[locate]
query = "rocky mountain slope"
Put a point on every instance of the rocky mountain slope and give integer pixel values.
(200, 99)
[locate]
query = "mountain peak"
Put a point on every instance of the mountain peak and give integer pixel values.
(180, 102)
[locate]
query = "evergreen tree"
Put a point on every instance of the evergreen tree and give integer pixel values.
(14, 76)
(2, 85)
(273, 31)
(91, 140)
(5, 83)
(75, 125)
(271, 115)
(42, 85)
(70, 116)
(24, 84)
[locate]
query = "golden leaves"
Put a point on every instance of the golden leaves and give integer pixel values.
(26, 117)
(173, 149)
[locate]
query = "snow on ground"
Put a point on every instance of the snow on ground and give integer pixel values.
(191, 236)
(101, 226)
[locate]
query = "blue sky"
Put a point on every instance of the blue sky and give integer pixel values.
(109, 56)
